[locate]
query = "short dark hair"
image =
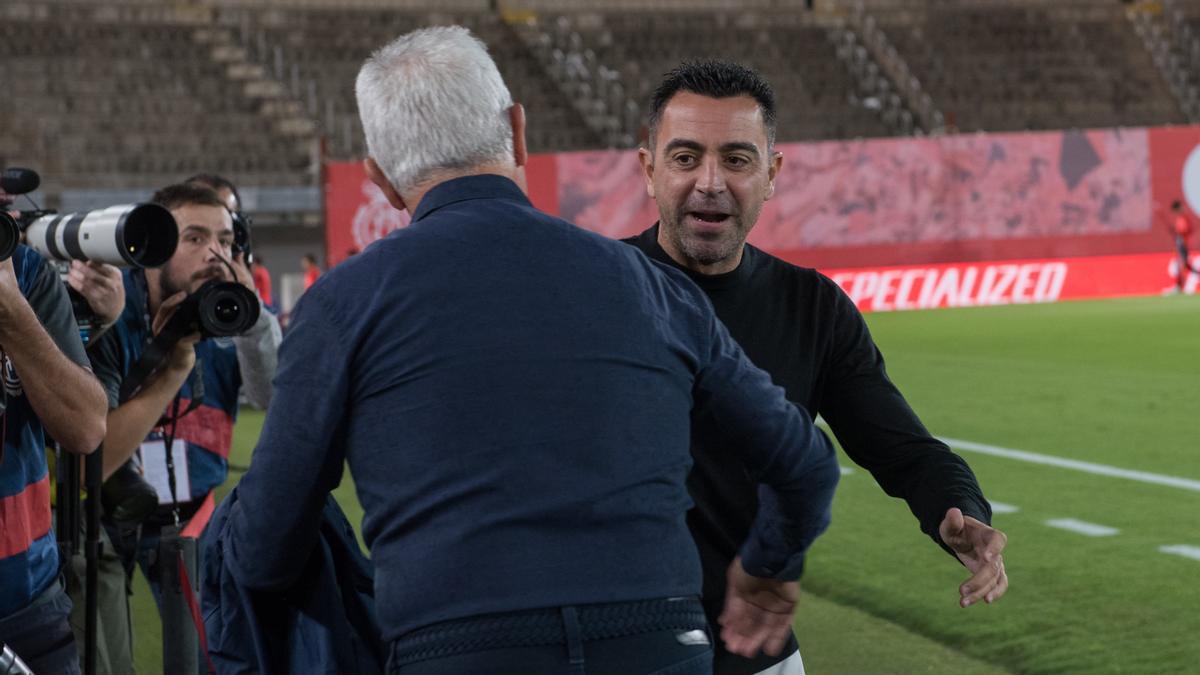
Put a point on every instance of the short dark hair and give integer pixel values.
(715, 79)
(216, 182)
(183, 194)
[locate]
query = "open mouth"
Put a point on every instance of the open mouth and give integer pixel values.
(709, 216)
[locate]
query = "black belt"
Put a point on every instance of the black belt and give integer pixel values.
(541, 627)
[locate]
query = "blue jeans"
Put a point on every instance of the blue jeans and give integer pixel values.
(41, 633)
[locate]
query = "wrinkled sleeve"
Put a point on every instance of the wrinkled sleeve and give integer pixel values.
(300, 454)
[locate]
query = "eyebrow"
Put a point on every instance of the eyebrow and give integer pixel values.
(204, 230)
(682, 143)
(740, 145)
(744, 146)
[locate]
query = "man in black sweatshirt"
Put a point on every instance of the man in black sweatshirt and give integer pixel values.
(513, 396)
(710, 164)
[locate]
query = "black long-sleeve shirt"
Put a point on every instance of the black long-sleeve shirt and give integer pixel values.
(800, 327)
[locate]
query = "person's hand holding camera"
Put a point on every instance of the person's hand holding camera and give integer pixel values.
(183, 353)
(101, 285)
(241, 270)
(10, 290)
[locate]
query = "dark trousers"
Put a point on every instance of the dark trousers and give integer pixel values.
(584, 640)
(41, 633)
(114, 624)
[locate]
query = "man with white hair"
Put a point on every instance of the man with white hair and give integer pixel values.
(514, 397)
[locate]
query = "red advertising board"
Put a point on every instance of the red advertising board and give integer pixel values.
(357, 213)
(1009, 282)
(1040, 196)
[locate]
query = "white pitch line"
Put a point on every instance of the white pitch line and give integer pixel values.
(1184, 550)
(845, 470)
(1074, 464)
(1081, 527)
(1001, 507)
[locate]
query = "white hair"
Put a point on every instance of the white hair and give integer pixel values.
(433, 101)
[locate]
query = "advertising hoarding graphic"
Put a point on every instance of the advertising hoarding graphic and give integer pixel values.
(1008, 282)
(357, 213)
(883, 203)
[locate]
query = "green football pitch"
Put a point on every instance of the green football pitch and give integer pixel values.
(1080, 420)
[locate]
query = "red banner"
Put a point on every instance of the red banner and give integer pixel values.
(873, 203)
(357, 213)
(1010, 282)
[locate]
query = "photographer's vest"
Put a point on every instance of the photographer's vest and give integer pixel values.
(28, 551)
(207, 430)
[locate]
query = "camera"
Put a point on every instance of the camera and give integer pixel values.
(217, 309)
(129, 235)
(241, 236)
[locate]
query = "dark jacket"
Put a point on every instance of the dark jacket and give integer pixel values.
(325, 623)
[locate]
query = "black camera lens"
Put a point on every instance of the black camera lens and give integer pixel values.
(10, 236)
(227, 310)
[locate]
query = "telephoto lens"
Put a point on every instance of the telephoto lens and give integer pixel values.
(129, 235)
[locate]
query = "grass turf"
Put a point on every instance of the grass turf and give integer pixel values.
(1112, 382)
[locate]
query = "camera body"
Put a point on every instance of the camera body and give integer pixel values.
(217, 309)
(241, 236)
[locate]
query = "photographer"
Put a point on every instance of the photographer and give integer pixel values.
(46, 389)
(192, 399)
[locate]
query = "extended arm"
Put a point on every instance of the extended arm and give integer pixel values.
(67, 399)
(257, 355)
(299, 456)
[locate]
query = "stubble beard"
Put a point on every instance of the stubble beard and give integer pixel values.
(706, 250)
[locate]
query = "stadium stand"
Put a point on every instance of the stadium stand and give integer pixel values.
(619, 57)
(95, 100)
(1010, 68)
(324, 48)
(108, 95)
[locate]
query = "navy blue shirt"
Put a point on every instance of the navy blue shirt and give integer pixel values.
(514, 397)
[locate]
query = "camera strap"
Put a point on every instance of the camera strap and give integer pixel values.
(168, 445)
(3, 415)
(153, 357)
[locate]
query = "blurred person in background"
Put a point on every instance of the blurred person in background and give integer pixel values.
(513, 396)
(262, 281)
(710, 164)
(1179, 224)
(312, 272)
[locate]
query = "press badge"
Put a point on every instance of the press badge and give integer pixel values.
(154, 468)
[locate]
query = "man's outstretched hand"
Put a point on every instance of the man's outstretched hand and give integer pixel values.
(758, 612)
(979, 547)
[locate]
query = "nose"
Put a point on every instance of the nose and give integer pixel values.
(710, 180)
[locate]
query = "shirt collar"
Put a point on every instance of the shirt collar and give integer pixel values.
(463, 188)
